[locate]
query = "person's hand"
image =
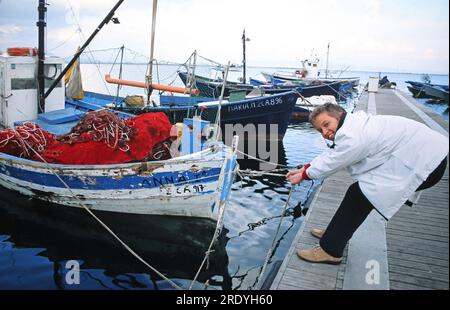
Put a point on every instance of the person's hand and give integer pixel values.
(292, 172)
(295, 176)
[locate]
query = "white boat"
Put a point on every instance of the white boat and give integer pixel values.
(308, 73)
(190, 185)
(195, 184)
(305, 105)
(314, 101)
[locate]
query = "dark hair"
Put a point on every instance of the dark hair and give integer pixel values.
(333, 110)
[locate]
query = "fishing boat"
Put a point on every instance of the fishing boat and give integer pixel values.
(268, 115)
(280, 78)
(304, 107)
(213, 87)
(437, 92)
(185, 186)
(417, 92)
(195, 184)
(309, 72)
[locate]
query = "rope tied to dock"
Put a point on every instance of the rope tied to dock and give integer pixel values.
(220, 220)
(265, 161)
(272, 247)
(256, 173)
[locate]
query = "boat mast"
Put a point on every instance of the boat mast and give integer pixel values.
(41, 55)
(149, 76)
(120, 73)
(81, 50)
(244, 62)
(328, 53)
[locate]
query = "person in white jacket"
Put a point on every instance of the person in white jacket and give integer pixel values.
(391, 158)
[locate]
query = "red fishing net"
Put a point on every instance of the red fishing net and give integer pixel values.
(101, 137)
(22, 140)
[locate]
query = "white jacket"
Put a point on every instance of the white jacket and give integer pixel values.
(390, 156)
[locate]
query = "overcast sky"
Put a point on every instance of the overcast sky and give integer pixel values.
(373, 35)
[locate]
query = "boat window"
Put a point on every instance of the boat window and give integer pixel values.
(51, 71)
(25, 83)
(49, 82)
(29, 83)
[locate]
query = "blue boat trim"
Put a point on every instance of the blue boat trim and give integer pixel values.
(112, 183)
(229, 168)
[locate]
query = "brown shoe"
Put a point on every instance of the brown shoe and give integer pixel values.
(317, 232)
(318, 255)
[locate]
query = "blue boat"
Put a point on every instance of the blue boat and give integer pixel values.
(256, 82)
(264, 117)
(300, 114)
(213, 88)
(440, 92)
(428, 90)
(421, 84)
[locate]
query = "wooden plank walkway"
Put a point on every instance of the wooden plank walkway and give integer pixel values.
(416, 238)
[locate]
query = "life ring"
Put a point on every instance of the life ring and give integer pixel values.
(22, 51)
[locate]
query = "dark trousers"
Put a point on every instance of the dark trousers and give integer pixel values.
(354, 209)
(435, 176)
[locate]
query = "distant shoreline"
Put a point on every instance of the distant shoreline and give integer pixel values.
(268, 67)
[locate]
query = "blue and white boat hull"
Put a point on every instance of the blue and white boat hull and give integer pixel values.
(183, 186)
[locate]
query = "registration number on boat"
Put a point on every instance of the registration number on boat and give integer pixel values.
(170, 190)
(254, 105)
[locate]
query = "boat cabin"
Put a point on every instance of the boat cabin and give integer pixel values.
(310, 69)
(18, 87)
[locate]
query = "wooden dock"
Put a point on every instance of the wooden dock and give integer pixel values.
(408, 252)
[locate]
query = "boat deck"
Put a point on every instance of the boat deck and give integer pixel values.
(410, 251)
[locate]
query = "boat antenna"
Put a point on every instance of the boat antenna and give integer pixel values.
(328, 53)
(149, 76)
(216, 136)
(191, 71)
(244, 62)
(120, 73)
(106, 20)
(41, 23)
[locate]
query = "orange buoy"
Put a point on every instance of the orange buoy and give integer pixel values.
(22, 51)
(174, 89)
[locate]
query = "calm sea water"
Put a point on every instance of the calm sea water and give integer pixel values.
(38, 242)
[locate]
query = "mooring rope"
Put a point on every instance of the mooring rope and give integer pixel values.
(219, 226)
(255, 173)
(271, 249)
(265, 161)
